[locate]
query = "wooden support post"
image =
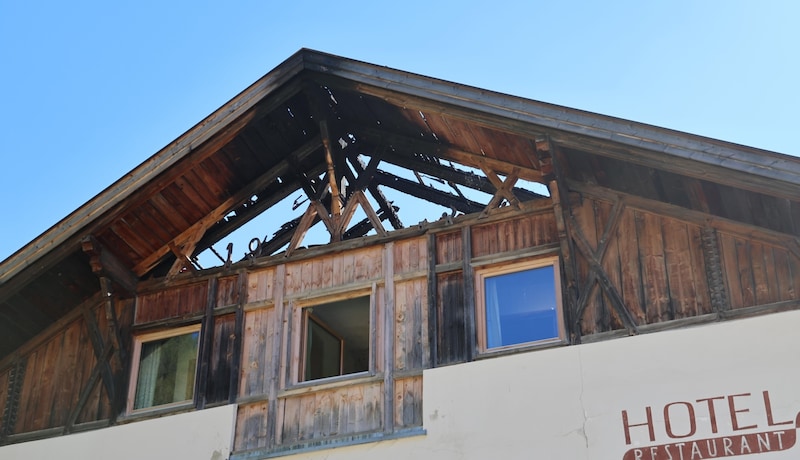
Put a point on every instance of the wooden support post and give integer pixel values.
(206, 340)
(714, 276)
(274, 370)
(469, 293)
(236, 353)
(388, 337)
(336, 201)
(559, 194)
(433, 316)
(15, 379)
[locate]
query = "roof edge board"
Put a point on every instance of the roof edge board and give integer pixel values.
(640, 135)
(152, 167)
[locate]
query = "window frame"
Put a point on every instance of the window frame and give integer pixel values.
(141, 339)
(301, 313)
(484, 272)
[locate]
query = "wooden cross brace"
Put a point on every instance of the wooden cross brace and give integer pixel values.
(504, 189)
(597, 275)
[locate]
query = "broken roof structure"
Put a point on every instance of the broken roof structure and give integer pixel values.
(317, 120)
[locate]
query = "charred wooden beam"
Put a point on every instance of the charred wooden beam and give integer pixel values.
(449, 152)
(364, 180)
(432, 166)
(427, 193)
(364, 226)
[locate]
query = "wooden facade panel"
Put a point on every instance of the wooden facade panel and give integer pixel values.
(333, 270)
(228, 291)
(341, 411)
(410, 255)
(411, 325)
(251, 426)
(515, 234)
(56, 373)
(654, 262)
(627, 258)
(451, 340)
(260, 285)
(257, 353)
(449, 247)
(219, 366)
(758, 273)
(173, 303)
(408, 402)
(596, 317)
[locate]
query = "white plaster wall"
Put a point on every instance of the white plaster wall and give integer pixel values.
(201, 435)
(561, 403)
(566, 403)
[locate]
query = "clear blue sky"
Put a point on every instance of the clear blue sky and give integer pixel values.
(90, 89)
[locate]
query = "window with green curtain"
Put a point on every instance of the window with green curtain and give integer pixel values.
(166, 371)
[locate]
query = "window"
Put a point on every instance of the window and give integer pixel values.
(335, 339)
(164, 365)
(519, 304)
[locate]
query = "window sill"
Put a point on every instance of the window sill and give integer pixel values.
(330, 443)
(330, 383)
(521, 348)
(158, 411)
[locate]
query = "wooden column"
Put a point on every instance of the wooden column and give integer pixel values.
(206, 339)
(274, 369)
(388, 336)
(469, 293)
(433, 317)
(714, 275)
(15, 379)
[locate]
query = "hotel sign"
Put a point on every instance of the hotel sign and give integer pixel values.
(710, 427)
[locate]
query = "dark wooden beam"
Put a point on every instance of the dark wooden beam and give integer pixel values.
(364, 180)
(431, 194)
(105, 264)
(472, 159)
(16, 377)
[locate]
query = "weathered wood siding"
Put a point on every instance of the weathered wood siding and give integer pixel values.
(758, 273)
(489, 243)
(655, 263)
(326, 413)
(58, 382)
(275, 410)
(172, 303)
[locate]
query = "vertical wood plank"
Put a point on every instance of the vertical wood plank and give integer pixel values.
(388, 334)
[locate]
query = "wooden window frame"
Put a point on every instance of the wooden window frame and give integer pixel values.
(300, 313)
(482, 273)
(138, 341)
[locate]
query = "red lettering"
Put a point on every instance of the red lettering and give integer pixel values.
(649, 423)
(712, 413)
(690, 414)
(734, 418)
(768, 408)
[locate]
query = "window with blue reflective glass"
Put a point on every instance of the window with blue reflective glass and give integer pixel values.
(519, 304)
